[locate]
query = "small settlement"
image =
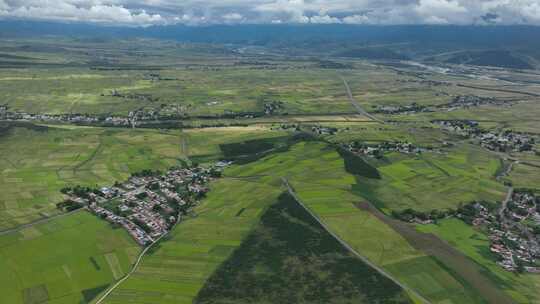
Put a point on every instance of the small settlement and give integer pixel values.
(149, 203)
(513, 230)
(401, 109)
(493, 140)
(457, 102)
(378, 150)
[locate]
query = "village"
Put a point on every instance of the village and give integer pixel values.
(457, 102)
(493, 140)
(406, 109)
(378, 150)
(149, 203)
(467, 101)
(76, 118)
(513, 230)
(161, 114)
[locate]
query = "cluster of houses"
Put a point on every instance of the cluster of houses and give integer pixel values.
(157, 77)
(273, 107)
(378, 150)
(111, 120)
(513, 230)
(3, 112)
(406, 109)
(320, 130)
(467, 101)
(148, 204)
(493, 140)
(69, 118)
(133, 96)
(457, 102)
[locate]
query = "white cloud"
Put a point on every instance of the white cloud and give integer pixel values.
(193, 12)
(356, 19)
(91, 12)
(233, 18)
(324, 19)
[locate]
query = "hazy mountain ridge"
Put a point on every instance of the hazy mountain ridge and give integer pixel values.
(516, 44)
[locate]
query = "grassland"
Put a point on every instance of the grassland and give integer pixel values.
(419, 133)
(63, 76)
(35, 165)
(178, 269)
(525, 175)
(434, 181)
(78, 76)
(290, 258)
(67, 260)
(317, 174)
(475, 244)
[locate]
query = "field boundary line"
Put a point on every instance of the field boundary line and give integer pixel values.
(40, 221)
(356, 104)
(135, 265)
(348, 247)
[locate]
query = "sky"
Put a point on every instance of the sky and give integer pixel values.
(208, 12)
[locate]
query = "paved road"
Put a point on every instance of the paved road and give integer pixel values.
(352, 250)
(356, 104)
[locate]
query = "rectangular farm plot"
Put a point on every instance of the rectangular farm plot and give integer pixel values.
(64, 257)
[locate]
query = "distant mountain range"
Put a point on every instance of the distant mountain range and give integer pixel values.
(504, 46)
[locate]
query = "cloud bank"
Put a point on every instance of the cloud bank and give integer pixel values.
(205, 12)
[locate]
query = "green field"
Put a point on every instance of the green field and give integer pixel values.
(316, 171)
(35, 165)
(290, 258)
(180, 266)
(74, 76)
(199, 245)
(67, 260)
(475, 244)
(525, 175)
(217, 88)
(434, 181)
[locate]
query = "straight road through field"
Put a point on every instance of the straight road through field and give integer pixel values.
(357, 105)
(352, 250)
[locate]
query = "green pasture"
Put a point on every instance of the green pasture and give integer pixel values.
(35, 165)
(77, 76)
(67, 260)
(317, 174)
(289, 258)
(180, 266)
(475, 244)
(419, 133)
(434, 181)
